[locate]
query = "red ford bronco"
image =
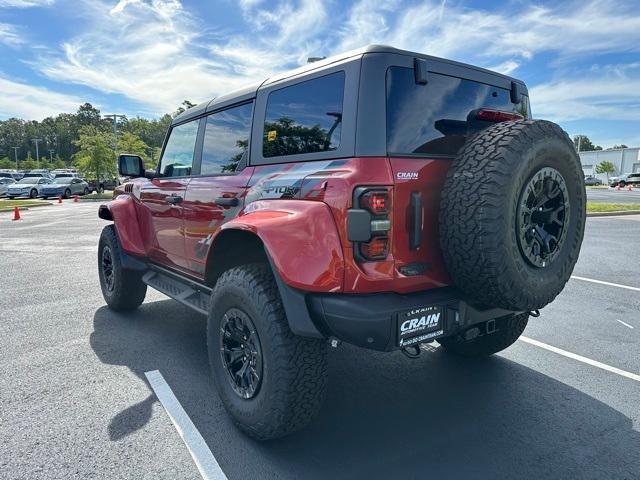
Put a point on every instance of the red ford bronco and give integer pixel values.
(382, 198)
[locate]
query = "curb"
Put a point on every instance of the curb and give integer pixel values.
(614, 214)
(10, 209)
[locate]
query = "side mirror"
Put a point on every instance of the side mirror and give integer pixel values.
(130, 165)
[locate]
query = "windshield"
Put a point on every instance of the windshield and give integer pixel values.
(29, 180)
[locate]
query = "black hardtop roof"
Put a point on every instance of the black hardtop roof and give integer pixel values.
(248, 92)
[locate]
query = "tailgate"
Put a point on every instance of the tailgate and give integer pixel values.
(416, 202)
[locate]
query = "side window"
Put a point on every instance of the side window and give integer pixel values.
(304, 118)
(177, 158)
(226, 140)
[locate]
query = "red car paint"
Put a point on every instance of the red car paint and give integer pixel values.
(299, 211)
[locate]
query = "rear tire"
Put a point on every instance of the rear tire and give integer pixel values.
(67, 193)
(508, 330)
(122, 289)
(291, 371)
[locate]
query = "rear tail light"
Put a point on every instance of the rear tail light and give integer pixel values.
(368, 223)
(376, 201)
(376, 249)
(497, 116)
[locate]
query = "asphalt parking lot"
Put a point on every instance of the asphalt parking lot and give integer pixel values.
(611, 195)
(75, 402)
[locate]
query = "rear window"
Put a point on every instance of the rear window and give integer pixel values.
(304, 118)
(432, 118)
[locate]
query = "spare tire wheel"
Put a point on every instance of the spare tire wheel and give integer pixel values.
(512, 215)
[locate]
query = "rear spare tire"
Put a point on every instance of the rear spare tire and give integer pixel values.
(512, 215)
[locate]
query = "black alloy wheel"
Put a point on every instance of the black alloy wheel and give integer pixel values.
(107, 268)
(542, 213)
(241, 353)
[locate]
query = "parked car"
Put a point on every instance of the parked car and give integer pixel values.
(624, 180)
(65, 187)
(41, 172)
(105, 183)
(592, 181)
(14, 174)
(27, 187)
(4, 184)
(378, 198)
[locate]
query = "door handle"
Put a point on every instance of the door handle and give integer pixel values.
(173, 199)
(227, 201)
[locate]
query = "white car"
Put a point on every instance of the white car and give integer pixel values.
(27, 187)
(4, 184)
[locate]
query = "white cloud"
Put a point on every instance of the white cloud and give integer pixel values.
(506, 68)
(33, 103)
(9, 35)
(25, 3)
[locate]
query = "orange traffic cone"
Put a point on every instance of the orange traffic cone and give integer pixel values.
(76, 199)
(618, 187)
(60, 199)
(16, 213)
(630, 189)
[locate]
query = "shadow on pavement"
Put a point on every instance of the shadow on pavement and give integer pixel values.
(385, 416)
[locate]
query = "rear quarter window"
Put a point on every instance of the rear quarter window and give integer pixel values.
(305, 117)
(434, 118)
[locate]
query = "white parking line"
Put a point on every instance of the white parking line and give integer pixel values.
(582, 359)
(205, 461)
(624, 323)
(626, 287)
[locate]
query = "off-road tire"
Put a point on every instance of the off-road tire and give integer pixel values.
(128, 290)
(294, 376)
(478, 214)
(508, 330)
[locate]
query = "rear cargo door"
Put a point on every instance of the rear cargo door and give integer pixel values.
(427, 123)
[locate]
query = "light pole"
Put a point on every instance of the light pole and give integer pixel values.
(115, 118)
(15, 151)
(36, 141)
(51, 150)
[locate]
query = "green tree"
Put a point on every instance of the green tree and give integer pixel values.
(620, 146)
(6, 162)
(95, 153)
(606, 167)
(130, 143)
(28, 164)
(584, 144)
(184, 106)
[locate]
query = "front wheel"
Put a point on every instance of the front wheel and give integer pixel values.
(508, 330)
(85, 191)
(122, 289)
(271, 381)
(67, 193)
(33, 193)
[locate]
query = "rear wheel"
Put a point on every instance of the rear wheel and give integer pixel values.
(271, 381)
(67, 193)
(85, 191)
(508, 330)
(122, 289)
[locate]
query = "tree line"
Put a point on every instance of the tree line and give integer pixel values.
(84, 140)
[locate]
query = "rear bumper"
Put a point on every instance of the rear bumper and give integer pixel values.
(371, 321)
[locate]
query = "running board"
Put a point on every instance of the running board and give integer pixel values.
(186, 292)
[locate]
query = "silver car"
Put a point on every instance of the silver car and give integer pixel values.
(4, 183)
(65, 187)
(27, 187)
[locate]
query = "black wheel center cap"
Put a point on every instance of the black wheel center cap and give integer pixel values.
(543, 212)
(241, 353)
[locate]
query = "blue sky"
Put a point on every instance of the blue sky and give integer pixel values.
(580, 59)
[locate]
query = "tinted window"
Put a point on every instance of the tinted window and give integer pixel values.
(226, 139)
(434, 118)
(305, 117)
(177, 158)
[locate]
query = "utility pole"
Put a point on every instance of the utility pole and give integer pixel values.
(15, 151)
(579, 140)
(115, 118)
(36, 141)
(51, 150)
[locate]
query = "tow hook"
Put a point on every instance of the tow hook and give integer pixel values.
(534, 313)
(412, 351)
(334, 342)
